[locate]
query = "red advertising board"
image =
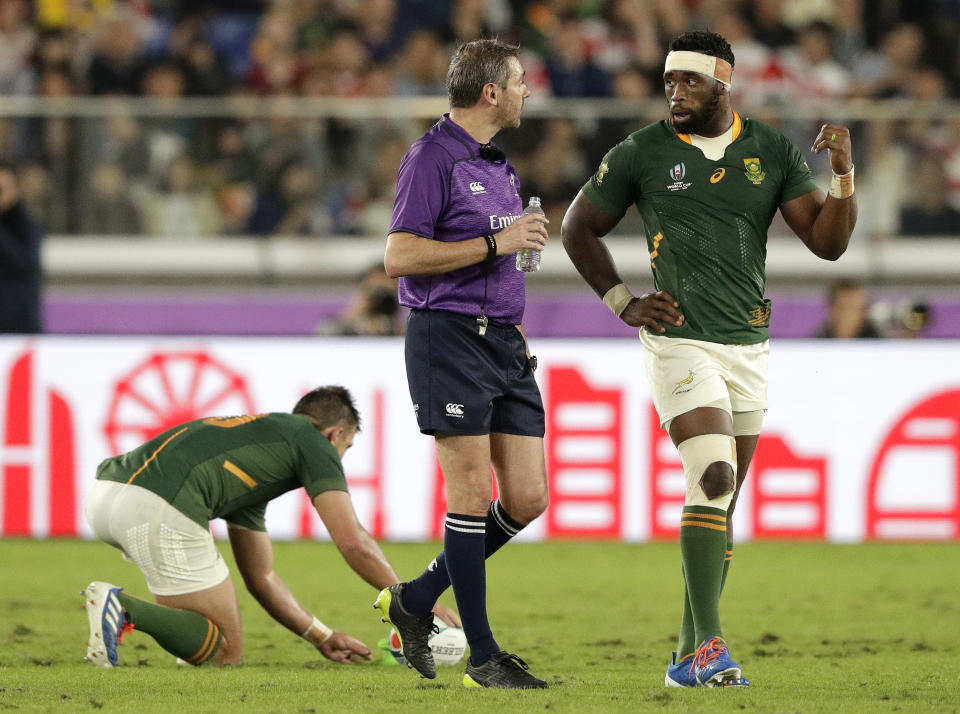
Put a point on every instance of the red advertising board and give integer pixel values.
(892, 472)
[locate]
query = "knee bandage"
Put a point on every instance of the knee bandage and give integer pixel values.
(696, 454)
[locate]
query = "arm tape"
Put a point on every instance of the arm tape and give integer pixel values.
(841, 185)
(617, 298)
(317, 625)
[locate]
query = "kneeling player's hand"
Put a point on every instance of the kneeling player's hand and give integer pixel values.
(447, 615)
(343, 648)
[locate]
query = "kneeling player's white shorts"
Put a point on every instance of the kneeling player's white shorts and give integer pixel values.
(175, 553)
(686, 374)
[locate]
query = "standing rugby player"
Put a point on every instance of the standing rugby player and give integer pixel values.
(707, 182)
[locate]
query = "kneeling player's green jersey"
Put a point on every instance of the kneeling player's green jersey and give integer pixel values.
(706, 221)
(231, 467)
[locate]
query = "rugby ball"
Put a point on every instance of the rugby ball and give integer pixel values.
(448, 645)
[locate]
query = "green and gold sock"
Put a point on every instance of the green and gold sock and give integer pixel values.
(728, 556)
(703, 540)
(184, 633)
(687, 643)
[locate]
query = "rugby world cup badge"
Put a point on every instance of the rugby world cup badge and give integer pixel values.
(754, 171)
(678, 173)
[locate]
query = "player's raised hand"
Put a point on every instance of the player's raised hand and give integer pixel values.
(341, 647)
(448, 615)
(651, 310)
(836, 139)
(528, 231)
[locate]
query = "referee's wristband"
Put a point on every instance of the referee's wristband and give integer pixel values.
(617, 298)
(491, 254)
(841, 185)
(324, 631)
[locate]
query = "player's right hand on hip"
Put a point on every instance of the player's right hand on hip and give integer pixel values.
(653, 310)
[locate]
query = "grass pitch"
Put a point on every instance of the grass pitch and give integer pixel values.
(817, 628)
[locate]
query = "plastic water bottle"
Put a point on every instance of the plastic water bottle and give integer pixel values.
(528, 259)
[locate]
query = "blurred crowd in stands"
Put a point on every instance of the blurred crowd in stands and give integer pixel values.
(851, 314)
(181, 177)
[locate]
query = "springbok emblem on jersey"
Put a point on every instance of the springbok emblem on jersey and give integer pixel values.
(754, 171)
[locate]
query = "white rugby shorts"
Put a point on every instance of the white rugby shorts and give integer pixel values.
(686, 374)
(175, 554)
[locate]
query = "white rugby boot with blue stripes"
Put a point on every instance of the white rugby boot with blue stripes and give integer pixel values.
(105, 615)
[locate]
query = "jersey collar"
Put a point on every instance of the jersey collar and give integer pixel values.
(737, 128)
(488, 151)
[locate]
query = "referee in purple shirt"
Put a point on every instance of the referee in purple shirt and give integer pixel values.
(457, 223)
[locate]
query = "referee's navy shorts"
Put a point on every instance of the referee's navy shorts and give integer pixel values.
(462, 382)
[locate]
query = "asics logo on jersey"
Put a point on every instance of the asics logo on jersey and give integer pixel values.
(477, 187)
(454, 410)
(718, 175)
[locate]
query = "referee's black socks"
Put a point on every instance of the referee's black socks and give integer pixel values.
(421, 593)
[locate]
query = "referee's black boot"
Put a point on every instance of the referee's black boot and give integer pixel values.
(414, 631)
(502, 671)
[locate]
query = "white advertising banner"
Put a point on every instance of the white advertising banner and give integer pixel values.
(861, 440)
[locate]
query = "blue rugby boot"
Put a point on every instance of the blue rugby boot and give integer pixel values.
(712, 664)
(742, 682)
(680, 674)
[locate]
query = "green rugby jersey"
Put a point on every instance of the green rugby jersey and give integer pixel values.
(706, 221)
(231, 467)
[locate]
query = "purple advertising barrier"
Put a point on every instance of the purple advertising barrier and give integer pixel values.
(555, 314)
(190, 313)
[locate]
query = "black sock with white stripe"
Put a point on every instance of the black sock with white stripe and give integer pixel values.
(463, 544)
(421, 593)
(503, 527)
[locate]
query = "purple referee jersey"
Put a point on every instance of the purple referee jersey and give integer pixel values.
(447, 192)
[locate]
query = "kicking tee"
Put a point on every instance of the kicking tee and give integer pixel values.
(706, 221)
(231, 467)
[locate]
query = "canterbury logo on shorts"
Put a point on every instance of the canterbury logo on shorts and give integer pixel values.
(454, 410)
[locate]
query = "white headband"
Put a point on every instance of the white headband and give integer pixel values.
(686, 61)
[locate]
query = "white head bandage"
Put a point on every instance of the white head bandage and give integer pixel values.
(713, 67)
